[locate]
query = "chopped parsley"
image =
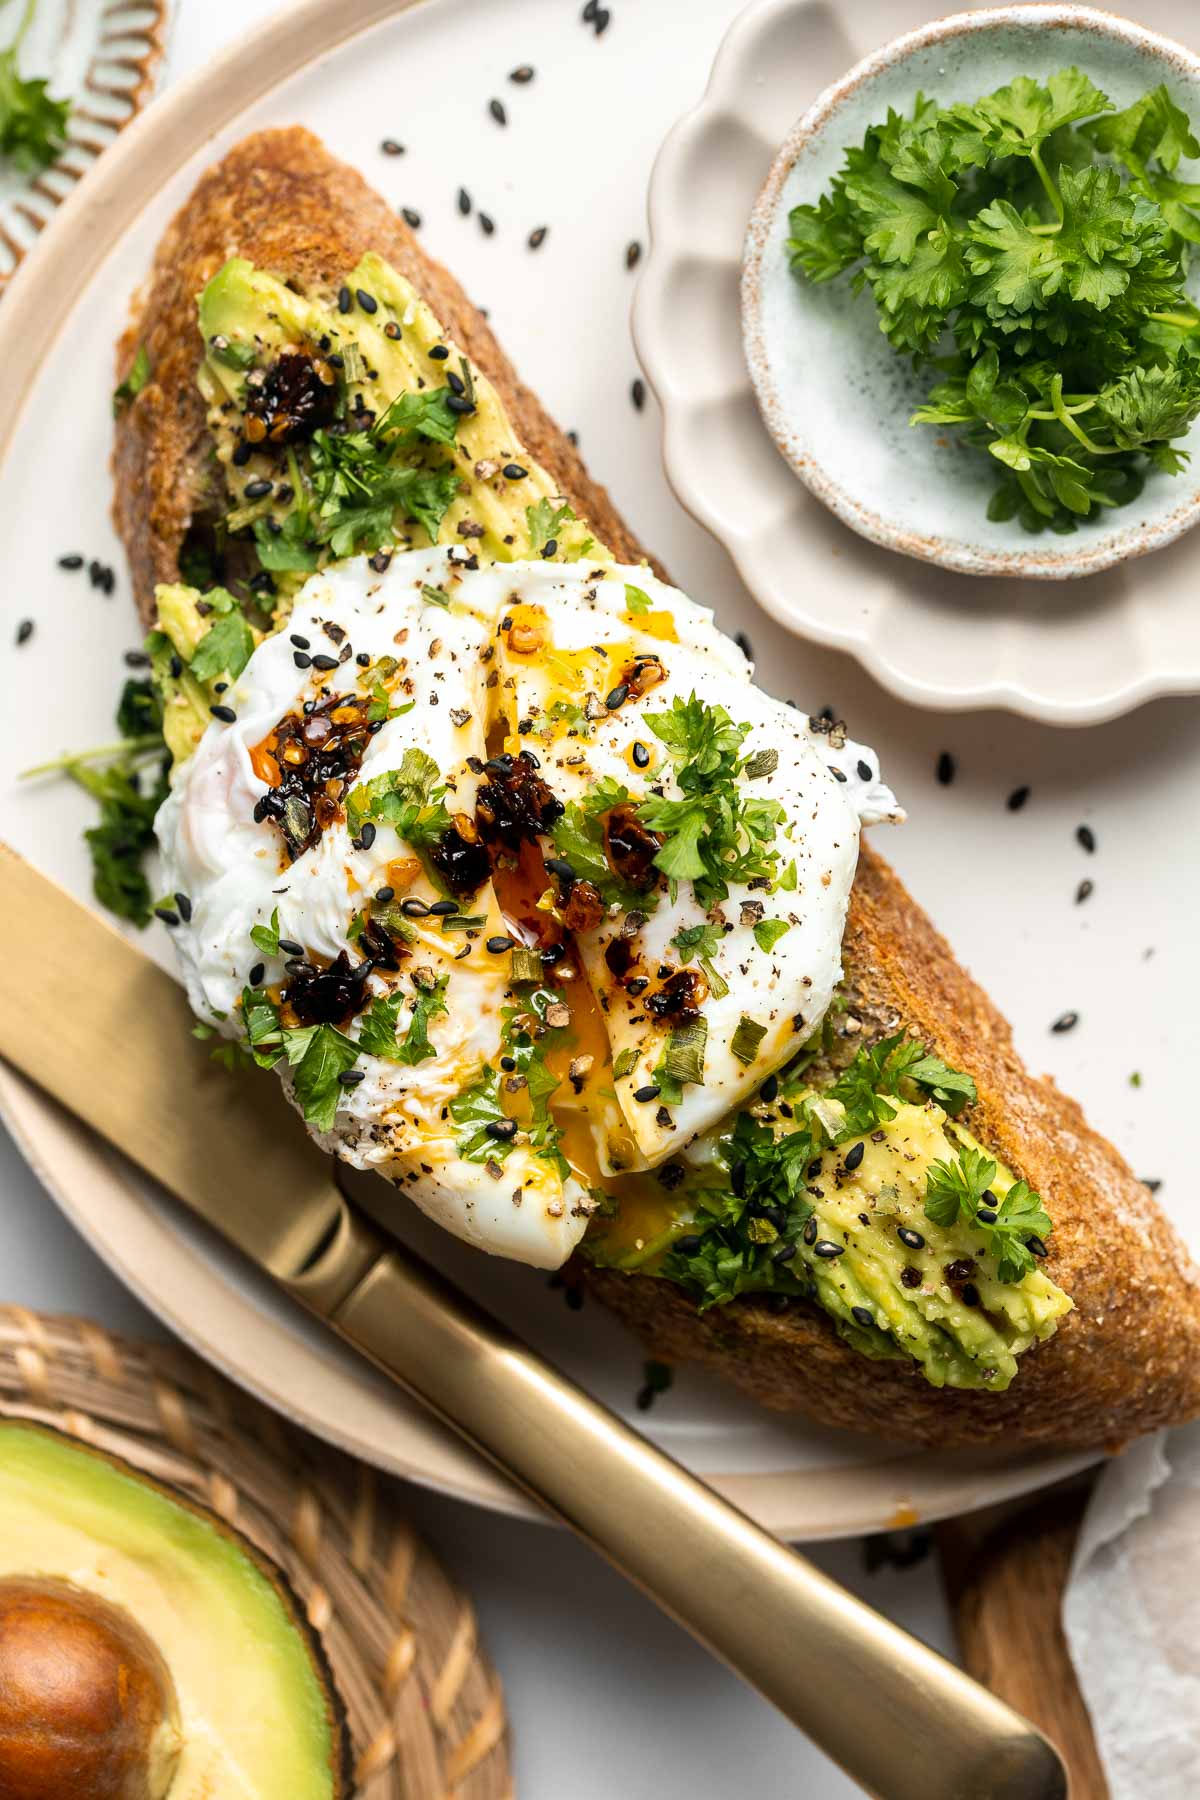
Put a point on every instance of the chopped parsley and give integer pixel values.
(227, 645)
(715, 835)
(637, 601)
(702, 942)
(579, 837)
(266, 937)
(480, 1108)
(1059, 276)
(129, 781)
(768, 932)
(958, 1190)
(410, 799)
(379, 1033)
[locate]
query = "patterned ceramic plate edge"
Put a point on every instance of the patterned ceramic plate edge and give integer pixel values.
(106, 57)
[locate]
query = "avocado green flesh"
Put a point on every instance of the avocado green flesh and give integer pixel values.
(956, 1344)
(255, 1717)
(258, 316)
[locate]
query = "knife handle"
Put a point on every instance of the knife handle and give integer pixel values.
(903, 1722)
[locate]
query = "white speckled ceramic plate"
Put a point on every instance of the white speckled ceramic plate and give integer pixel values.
(1000, 883)
(936, 636)
(102, 55)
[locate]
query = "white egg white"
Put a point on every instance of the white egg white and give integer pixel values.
(469, 686)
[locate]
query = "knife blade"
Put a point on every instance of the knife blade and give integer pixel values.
(105, 1032)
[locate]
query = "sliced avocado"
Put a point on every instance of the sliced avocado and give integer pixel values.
(146, 1645)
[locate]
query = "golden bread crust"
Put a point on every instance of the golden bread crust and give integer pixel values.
(1128, 1358)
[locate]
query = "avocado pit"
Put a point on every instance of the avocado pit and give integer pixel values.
(87, 1704)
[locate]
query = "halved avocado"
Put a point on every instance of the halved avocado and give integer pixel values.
(147, 1652)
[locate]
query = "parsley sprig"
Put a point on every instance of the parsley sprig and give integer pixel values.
(716, 834)
(962, 1190)
(33, 127)
(1046, 236)
(526, 1041)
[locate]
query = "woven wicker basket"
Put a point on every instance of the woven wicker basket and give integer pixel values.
(425, 1708)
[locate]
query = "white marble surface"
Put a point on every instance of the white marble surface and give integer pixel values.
(607, 1698)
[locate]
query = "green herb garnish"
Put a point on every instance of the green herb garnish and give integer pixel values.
(1033, 247)
(33, 127)
(959, 1190)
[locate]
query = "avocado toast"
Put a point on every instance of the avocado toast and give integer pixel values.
(822, 1262)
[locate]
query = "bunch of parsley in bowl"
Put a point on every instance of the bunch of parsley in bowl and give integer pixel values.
(1031, 248)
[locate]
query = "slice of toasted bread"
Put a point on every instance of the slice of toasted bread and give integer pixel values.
(1127, 1359)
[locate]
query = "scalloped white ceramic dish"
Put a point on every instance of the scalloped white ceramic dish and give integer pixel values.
(1071, 654)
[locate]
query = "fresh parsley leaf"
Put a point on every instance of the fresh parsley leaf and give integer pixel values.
(702, 942)
(139, 368)
(123, 839)
(409, 799)
(225, 648)
(637, 600)
(768, 932)
(954, 1190)
(544, 521)
(579, 839)
(319, 1054)
(474, 1109)
(428, 1003)
(288, 550)
(266, 937)
(715, 835)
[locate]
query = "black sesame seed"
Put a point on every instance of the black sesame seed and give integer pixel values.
(257, 973)
(1152, 1182)
(385, 894)
(1017, 799)
(368, 302)
(345, 299)
(641, 755)
(947, 768)
(501, 1128)
(167, 914)
(514, 472)
(1036, 1247)
(487, 224)
(366, 836)
(176, 667)
(970, 1294)
(498, 945)
(456, 383)
(226, 714)
(862, 1315)
(590, 10)
(637, 393)
(854, 1155)
(351, 1077)
(617, 696)
(70, 562)
(910, 1238)
(744, 645)
(1085, 836)
(827, 1251)
(439, 353)
(241, 455)
(390, 147)
(414, 908)
(987, 1215)
(785, 1253)
(865, 772)
(838, 774)
(258, 489)
(302, 659)
(411, 217)
(184, 904)
(496, 108)
(24, 631)
(464, 202)
(522, 74)
(810, 1230)
(537, 237)
(301, 643)
(458, 403)
(325, 662)
(444, 909)
(363, 659)
(549, 549)
(558, 865)
(1083, 891)
(633, 254)
(290, 947)
(769, 1089)
(651, 1091)
(508, 1064)
(1065, 1022)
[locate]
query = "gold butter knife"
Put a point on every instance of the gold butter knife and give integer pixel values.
(87, 1017)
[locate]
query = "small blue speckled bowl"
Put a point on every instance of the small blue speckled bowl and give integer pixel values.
(836, 398)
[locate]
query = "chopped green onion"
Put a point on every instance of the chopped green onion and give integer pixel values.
(683, 1059)
(746, 1039)
(626, 1062)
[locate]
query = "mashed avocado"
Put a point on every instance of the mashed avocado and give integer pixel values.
(914, 1241)
(342, 424)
